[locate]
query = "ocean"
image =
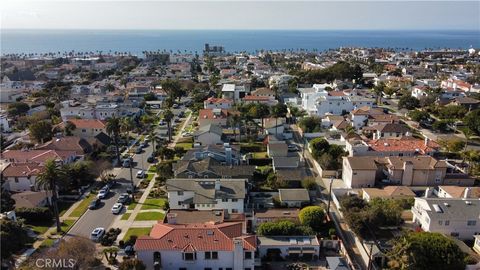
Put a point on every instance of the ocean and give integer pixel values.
(137, 41)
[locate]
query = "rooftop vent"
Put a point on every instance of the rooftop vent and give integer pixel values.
(437, 208)
(210, 233)
(468, 202)
(446, 204)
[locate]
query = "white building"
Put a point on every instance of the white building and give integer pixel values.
(4, 125)
(318, 101)
(292, 247)
(197, 246)
(233, 92)
(454, 217)
(207, 194)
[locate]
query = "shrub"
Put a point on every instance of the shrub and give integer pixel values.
(313, 217)
(35, 214)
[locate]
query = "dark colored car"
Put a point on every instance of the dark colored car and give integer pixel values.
(94, 204)
(138, 150)
(151, 159)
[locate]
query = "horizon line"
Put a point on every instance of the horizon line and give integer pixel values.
(247, 29)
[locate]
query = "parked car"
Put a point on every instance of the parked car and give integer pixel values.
(175, 106)
(181, 114)
(151, 158)
(292, 148)
(186, 134)
(103, 193)
(177, 120)
(94, 204)
(124, 198)
(162, 122)
(141, 174)
(117, 208)
(111, 183)
(138, 150)
(126, 163)
(97, 234)
(129, 251)
(144, 144)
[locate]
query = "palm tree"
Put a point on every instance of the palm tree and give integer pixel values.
(113, 129)
(152, 135)
(279, 110)
(47, 180)
(126, 125)
(168, 116)
(236, 121)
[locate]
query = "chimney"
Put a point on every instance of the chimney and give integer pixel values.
(228, 156)
(426, 141)
(217, 184)
(238, 254)
(172, 218)
(466, 193)
(427, 192)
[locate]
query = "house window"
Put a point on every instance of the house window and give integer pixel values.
(207, 268)
(471, 222)
(248, 255)
(189, 256)
(224, 200)
(180, 193)
(447, 222)
(16, 179)
(179, 203)
(234, 200)
(440, 222)
(84, 130)
(182, 268)
(228, 268)
(211, 255)
(234, 210)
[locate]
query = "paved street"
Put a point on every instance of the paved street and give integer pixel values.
(103, 217)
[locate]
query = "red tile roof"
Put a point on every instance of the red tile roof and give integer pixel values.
(87, 123)
(259, 98)
(218, 100)
(209, 114)
(195, 237)
(39, 156)
(403, 144)
(22, 169)
(336, 93)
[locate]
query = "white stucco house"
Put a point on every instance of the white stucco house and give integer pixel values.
(207, 194)
(453, 217)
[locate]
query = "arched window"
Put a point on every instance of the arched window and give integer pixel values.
(157, 260)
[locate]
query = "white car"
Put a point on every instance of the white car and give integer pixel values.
(141, 174)
(117, 208)
(102, 193)
(97, 233)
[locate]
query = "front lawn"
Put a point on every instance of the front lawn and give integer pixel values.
(63, 206)
(185, 146)
(152, 169)
(150, 176)
(153, 204)
(259, 155)
(82, 207)
(149, 216)
(132, 205)
(40, 229)
(48, 243)
(125, 216)
(136, 232)
(67, 224)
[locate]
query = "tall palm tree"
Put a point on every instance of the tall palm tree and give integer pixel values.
(127, 125)
(168, 116)
(236, 121)
(152, 135)
(113, 129)
(48, 179)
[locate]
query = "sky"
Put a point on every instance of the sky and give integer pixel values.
(267, 14)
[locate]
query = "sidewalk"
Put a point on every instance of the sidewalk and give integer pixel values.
(127, 224)
(179, 135)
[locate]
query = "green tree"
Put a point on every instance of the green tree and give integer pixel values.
(17, 108)
(14, 237)
(472, 120)
(126, 126)
(311, 124)
(41, 131)
(79, 173)
(173, 88)
(408, 102)
(313, 217)
(113, 129)
(309, 183)
(424, 250)
(48, 179)
(69, 128)
(7, 203)
(279, 110)
(168, 116)
(441, 125)
(318, 147)
(419, 116)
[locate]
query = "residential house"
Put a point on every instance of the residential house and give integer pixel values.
(466, 102)
(363, 171)
(225, 154)
(39, 156)
(212, 116)
(476, 243)
(211, 169)
(86, 128)
(275, 214)
(294, 197)
(403, 146)
(209, 134)
(458, 192)
(452, 217)
(388, 192)
(217, 103)
(31, 199)
(20, 177)
(274, 125)
(289, 247)
(192, 216)
(390, 130)
(420, 91)
(291, 162)
(277, 149)
(233, 92)
(337, 263)
(197, 246)
(69, 143)
(207, 194)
